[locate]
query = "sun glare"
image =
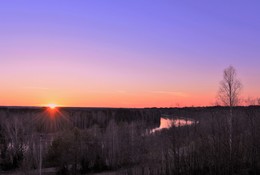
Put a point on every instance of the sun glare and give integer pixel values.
(52, 106)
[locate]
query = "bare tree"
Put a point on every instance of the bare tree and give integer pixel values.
(230, 88)
(229, 91)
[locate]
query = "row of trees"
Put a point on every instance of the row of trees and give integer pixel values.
(127, 148)
(70, 149)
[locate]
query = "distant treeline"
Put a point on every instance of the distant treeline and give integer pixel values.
(81, 141)
(47, 120)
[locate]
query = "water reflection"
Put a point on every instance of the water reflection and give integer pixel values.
(166, 123)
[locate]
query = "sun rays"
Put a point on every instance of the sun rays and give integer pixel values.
(51, 119)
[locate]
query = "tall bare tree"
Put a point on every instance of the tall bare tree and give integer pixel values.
(230, 88)
(229, 91)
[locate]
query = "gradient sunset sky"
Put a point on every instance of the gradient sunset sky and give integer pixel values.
(126, 53)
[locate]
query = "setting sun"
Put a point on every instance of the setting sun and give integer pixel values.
(52, 106)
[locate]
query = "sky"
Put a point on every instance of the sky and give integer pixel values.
(116, 53)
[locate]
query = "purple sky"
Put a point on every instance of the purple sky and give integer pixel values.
(125, 53)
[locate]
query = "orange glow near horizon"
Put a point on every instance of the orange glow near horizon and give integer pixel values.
(129, 99)
(88, 99)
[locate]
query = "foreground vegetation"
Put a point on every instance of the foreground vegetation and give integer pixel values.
(124, 144)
